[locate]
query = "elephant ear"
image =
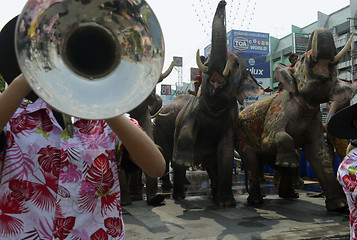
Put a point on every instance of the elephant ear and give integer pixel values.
(285, 75)
(248, 87)
(342, 91)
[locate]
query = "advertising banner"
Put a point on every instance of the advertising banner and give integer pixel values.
(300, 41)
(177, 61)
(250, 42)
(165, 89)
(257, 64)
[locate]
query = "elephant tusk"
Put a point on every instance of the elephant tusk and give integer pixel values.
(227, 69)
(167, 73)
(314, 46)
(157, 113)
(201, 66)
(344, 50)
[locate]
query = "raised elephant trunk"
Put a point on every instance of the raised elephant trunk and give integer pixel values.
(321, 43)
(218, 58)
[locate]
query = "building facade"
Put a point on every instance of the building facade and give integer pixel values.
(342, 23)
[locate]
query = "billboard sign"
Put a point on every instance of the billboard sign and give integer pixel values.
(207, 51)
(247, 41)
(254, 48)
(257, 64)
(177, 61)
(165, 89)
(300, 42)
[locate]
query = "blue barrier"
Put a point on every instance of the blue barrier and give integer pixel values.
(305, 168)
(268, 169)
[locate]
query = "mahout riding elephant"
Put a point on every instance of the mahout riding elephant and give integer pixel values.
(130, 178)
(203, 125)
(270, 130)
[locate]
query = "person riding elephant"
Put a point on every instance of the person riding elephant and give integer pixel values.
(270, 130)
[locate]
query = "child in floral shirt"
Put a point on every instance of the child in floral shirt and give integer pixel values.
(53, 186)
(346, 175)
(344, 125)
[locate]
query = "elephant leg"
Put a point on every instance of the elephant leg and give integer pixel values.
(251, 165)
(295, 175)
(286, 187)
(286, 155)
(124, 189)
(184, 141)
(166, 184)
(179, 182)
(320, 160)
(213, 179)
(135, 187)
(225, 157)
(165, 146)
(153, 198)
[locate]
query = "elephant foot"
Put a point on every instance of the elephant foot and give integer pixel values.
(225, 201)
(126, 200)
(136, 197)
(156, 199)
(288, 194)
(178, 196)
(337, 205)
(287, 160)
(254, 200)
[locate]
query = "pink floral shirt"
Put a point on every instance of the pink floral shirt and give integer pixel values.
(346, 175)
(56, 187)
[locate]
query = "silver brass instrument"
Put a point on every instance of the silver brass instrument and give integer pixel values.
(92, 59)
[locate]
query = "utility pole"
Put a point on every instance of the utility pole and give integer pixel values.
(178, 67)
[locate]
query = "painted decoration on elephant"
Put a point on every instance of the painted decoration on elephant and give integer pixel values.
(300, 71)
(251, 123)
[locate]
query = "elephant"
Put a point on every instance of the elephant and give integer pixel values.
(130, 178)
(163, 131)
(200, 129)
(270, 130)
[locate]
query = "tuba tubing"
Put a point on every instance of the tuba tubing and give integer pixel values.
(90, 59)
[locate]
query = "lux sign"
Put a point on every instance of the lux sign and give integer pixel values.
(256, 71)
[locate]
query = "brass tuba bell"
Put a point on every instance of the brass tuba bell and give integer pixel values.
(92, 59)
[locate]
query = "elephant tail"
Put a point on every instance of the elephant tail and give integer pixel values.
(246, 178)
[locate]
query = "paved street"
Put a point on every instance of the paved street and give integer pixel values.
(197, 217)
